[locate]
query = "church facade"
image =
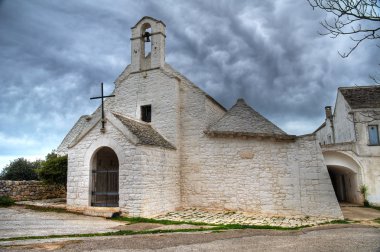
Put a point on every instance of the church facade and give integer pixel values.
(167, 145)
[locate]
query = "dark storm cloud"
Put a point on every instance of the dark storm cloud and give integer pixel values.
(55, 54)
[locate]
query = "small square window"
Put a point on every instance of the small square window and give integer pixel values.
(146, 113)
(373, 133)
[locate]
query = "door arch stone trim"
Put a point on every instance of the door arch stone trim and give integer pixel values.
(102, 141)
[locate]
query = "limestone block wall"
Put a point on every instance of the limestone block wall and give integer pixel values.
(152, 87)
(161, 177)
(343, 121)
(80, 158)
(325, 134)
(30, 190)
(148, 176)
(260, 176)
(371, 177)
(317, 194)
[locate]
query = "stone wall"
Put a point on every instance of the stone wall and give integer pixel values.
(30, 190)
(263, 176)
(148, 176)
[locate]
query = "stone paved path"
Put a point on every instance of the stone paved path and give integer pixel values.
(18, 222)
(225, 217)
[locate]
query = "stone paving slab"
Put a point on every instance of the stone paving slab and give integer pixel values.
(19, 222)
(227, 217)
(51, 203)
(360, 213)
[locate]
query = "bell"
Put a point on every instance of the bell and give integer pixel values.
(146, 36)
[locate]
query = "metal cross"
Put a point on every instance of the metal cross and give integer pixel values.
(102, 97)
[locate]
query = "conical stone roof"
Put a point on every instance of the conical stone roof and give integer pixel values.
(242, 120)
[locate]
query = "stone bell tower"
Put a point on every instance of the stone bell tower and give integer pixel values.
(148, 44)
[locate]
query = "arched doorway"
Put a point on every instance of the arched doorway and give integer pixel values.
(105, 178)
(344, 183)
(345, 176)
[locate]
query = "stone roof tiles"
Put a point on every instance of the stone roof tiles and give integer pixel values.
(242, 120)
(362, 97)
(144, 132)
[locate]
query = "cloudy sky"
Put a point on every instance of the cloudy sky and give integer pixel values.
(54, 54)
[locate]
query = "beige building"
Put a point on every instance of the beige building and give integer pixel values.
(167, 145)
(349, 138)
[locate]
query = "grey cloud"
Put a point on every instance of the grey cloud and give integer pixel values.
(54, 55)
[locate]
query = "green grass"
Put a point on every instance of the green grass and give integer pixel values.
(213, 229)
(130, 232)
(377, 220)
(339, 222)
(133, 220)
(6, 201)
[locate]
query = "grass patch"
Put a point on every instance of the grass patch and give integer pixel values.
(213, 229)
(133, 220)
(340, 222)
(345, 221)
(239, 226)
(6, 201)
(157, 231)
(377, 220)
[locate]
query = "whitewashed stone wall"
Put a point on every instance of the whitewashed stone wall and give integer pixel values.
(325, 134)
(343, 121)
(148, 177)
(368, 157)
(262, 176)
(351, 126)
(149, 87)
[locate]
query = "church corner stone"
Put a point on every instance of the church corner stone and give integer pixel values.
(170, 162)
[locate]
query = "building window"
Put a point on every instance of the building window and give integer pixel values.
(373, 133)
(146, 113)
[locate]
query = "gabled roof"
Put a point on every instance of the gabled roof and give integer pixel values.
(147, 17)
(242, 120)
(144, 132)
(73, 133)
(362, 97)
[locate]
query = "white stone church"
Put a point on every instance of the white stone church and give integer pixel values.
(167, 145)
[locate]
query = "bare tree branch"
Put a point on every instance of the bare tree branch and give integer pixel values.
(367, 117)
(357, 19)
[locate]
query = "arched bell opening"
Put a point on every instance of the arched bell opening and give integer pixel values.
(105, 178)
(146, 32)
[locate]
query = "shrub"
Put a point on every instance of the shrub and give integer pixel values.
(364, 192)
(5, 201)
(54, 169)
(20, 169)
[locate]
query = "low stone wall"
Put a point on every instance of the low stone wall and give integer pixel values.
(30, 190)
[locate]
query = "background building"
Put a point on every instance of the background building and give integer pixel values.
(349, 138)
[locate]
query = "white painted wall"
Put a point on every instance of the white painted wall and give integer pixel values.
(352, 126)
(343, 122)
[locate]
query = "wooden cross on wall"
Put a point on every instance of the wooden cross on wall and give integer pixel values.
(102, 97)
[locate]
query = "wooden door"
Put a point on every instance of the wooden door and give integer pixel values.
(105, 179)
